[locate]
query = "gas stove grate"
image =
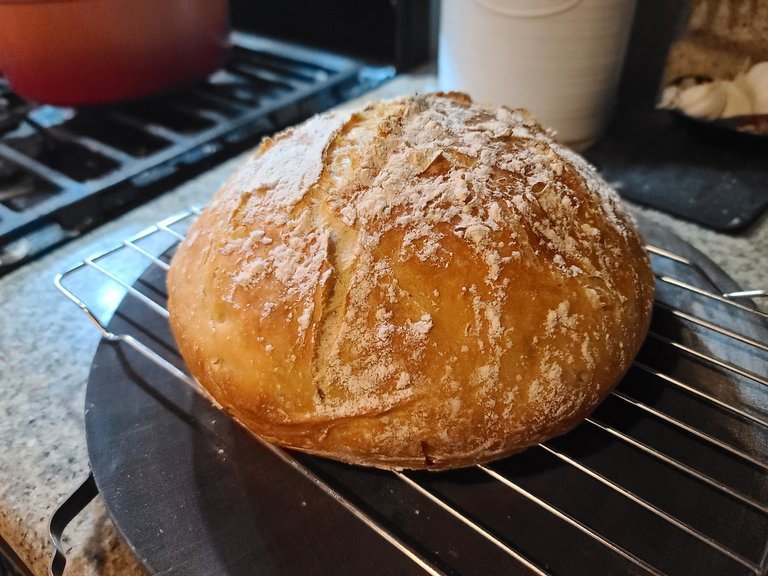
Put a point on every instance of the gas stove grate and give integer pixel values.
(64, 170)
(676, 457)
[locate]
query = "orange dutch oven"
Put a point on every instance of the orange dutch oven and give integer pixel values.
(75, 52)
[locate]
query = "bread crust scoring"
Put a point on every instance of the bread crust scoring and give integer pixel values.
(425, 283)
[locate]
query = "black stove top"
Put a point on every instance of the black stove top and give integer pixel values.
(64, 170)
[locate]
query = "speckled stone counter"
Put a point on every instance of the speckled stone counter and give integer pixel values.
(47, 347)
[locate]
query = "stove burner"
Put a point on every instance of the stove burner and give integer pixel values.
(12, 108)
(65, 170)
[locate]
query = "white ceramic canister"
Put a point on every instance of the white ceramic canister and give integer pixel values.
(561, 59)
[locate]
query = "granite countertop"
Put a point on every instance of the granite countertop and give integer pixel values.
(48, 344)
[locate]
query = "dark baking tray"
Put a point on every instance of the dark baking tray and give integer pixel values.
(714, 177)
(193, 493)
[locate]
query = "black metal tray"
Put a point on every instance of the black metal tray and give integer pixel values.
(713, 177)
(668, 476)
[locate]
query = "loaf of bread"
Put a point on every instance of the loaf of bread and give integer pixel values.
(425, 283)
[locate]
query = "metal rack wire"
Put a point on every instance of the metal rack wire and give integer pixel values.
(698, 451)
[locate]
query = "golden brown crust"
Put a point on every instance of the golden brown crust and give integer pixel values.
(427, 283)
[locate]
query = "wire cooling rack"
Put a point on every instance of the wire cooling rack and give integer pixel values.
(668, 476)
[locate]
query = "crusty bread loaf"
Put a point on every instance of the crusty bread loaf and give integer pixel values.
(426, 283)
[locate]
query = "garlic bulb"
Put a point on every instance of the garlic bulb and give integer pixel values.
(757, 80)
(737, 99)
(745, 95)
(669, 97)
(703, 100)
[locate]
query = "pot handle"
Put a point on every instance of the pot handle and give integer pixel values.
(528, 8)
(64, 514)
